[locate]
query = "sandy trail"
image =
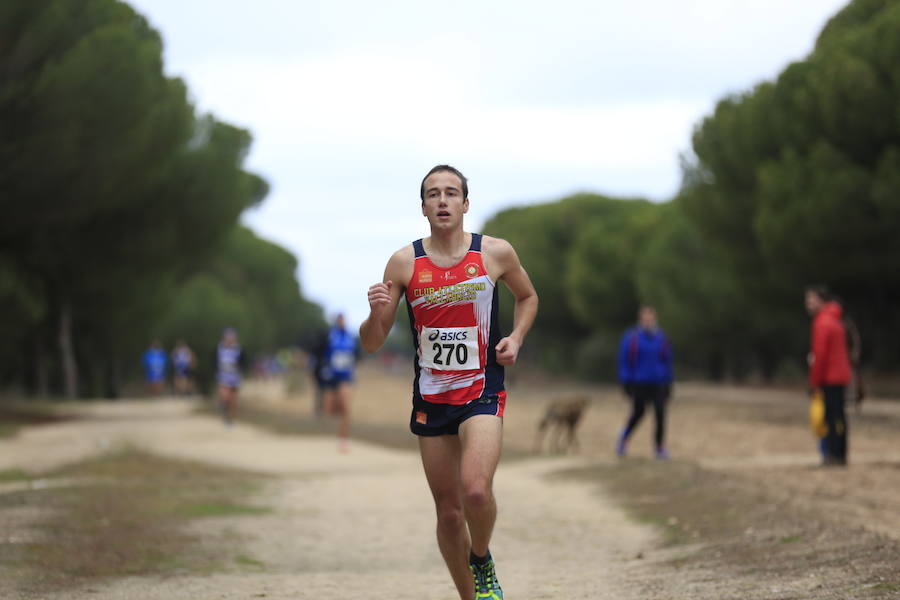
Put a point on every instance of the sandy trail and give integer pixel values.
(355, 525)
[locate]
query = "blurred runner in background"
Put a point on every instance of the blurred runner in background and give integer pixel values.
(230, 362)
(183, 363)
(340, 358)
(319, 370)
(154, 361)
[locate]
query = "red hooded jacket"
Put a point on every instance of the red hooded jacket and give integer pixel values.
(830, 364)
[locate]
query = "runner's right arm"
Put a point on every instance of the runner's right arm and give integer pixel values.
(384, 298)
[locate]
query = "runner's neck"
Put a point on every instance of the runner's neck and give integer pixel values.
(450, 246)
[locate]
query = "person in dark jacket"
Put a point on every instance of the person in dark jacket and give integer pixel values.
(829, 370)
(320, 370)
(645, 372)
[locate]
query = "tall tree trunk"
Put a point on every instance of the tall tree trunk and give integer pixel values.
(715, 369)
(69, 366)
(111, 375)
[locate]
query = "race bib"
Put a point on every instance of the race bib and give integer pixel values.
(449, 348)
(342, 360)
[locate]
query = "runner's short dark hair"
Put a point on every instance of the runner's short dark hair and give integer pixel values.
(449, 169)
(821, 291)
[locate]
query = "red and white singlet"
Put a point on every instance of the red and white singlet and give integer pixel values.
(453, 313)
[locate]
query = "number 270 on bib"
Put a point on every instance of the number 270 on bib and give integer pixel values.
(449, 348)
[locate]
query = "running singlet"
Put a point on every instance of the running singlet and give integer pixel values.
(341, 352)
(453, 315)
(155, 364)
(229, 371)
(181, 360)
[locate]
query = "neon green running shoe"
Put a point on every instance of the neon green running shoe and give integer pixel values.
(486, 585)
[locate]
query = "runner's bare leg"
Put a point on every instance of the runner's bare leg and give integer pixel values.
(441, 459)
(481, 438)
(342, 394)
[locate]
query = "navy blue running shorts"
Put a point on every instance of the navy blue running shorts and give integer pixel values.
(432, 419)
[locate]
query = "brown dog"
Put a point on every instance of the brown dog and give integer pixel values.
(561, 418)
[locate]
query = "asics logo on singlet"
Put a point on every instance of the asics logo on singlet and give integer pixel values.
(453, 336)
(448, 336)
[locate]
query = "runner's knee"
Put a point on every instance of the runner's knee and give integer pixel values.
(450, 517)
(477, 494)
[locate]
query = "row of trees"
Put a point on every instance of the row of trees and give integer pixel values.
(794, 182)
(120, 205)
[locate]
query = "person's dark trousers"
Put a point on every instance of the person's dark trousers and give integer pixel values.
(641, 395)
(836, 420)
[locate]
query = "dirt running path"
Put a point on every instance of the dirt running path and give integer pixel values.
(356, 525)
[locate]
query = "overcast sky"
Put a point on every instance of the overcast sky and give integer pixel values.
(350, 102)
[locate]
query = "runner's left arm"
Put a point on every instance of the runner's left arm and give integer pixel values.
(526, 300)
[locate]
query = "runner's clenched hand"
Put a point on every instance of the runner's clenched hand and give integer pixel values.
(380, 296)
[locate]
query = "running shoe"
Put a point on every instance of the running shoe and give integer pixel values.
(662, 454)
(486, 585)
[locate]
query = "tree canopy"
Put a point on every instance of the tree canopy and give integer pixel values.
(116, 197)
(794, 182)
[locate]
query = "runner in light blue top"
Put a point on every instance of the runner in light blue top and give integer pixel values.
(229, 364)
(183, 366)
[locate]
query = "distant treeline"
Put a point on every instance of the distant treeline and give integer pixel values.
(792, 183)
(119, 207)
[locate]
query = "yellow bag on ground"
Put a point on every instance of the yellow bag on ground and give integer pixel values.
(817, 414)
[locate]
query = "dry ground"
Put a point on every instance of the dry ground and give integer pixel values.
(741, 512)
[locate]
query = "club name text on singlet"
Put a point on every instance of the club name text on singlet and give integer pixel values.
(453, 313)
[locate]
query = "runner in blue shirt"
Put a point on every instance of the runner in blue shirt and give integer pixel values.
(154, 361)
(340, 362)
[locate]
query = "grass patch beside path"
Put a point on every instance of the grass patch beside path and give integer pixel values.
(127, 517)
(15, 415)
(222, 510)
(8, 475)
(731, 525)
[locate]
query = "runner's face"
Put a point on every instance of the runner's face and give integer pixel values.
(813, 303)
(647, 318)
(444, 205)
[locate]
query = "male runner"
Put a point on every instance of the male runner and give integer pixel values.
(340, 357)
(449, 282)
(183, 362)
(230, 361)
(155, 367)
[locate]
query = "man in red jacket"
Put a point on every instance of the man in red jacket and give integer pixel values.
(829, 369)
